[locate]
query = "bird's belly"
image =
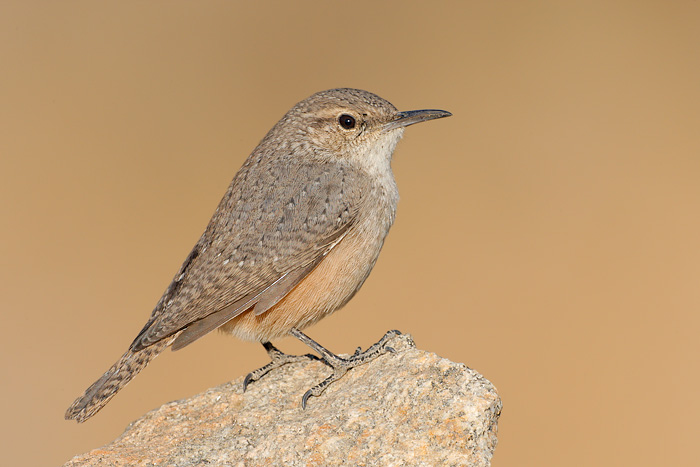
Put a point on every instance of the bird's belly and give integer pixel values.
(327, 288)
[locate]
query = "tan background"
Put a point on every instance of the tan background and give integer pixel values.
(547, 234)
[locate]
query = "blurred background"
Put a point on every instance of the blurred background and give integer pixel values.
(547, 234)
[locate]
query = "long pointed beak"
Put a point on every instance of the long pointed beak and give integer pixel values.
(409, 117)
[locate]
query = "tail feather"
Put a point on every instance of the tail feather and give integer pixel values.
(118, 376)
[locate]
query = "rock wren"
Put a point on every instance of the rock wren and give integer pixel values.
(294, 237)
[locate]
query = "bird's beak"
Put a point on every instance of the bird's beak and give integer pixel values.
(409, 117)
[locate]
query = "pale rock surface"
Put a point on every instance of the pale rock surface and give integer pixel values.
(403, 409)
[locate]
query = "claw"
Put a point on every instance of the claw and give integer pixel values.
(305, 398)
(247, 381)
(312, 357)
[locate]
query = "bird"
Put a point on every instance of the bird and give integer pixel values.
(293, 239)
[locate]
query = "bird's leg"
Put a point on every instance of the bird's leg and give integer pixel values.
(341, 365)
(278, 358)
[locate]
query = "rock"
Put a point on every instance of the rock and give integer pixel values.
(406, 408)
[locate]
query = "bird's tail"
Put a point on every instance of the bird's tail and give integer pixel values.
(102, 390)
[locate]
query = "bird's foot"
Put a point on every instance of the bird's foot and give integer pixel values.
(279, 359)
(341, 365)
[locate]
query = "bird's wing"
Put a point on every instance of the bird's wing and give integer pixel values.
(260, 301)
(270, 230)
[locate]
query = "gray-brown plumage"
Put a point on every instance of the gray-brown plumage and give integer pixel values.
(294, 237)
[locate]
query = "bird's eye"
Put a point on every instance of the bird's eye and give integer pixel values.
(347, 121)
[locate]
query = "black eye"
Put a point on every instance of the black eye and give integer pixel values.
(347, 121)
